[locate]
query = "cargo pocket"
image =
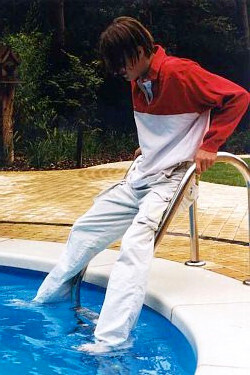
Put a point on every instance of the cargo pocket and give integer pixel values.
(160, 196)
(153, 208)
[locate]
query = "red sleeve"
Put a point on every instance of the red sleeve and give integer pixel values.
(209, 91)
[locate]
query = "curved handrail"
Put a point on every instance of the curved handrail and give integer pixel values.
(168, 215)
(236, 161)
(225, 157)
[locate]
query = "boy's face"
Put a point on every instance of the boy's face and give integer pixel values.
(135, 69)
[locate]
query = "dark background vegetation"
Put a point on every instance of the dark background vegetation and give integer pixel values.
(64, 87)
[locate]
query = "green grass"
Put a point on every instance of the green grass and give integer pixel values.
(223, 173)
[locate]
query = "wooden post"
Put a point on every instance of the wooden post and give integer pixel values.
(79, 145)
(7, 124)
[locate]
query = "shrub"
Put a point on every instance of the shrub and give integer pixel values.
(55, 147)
(238, 143)
(73, 91)
(45, 100)
(118, 144)
(32, 108)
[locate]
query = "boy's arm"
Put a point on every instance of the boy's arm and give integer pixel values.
(230, 101)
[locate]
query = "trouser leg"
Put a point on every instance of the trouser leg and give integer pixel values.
(105, 222)
(127, 284)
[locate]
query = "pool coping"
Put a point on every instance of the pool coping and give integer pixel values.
(211, 310)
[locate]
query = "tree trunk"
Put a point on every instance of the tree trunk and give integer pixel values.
(7, 125)
(244, 27)
(59, 24)
(55, 9)
(243, 21)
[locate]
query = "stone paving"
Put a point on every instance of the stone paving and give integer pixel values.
(42, 205)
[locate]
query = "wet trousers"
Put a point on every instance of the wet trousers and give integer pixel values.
(120, 211)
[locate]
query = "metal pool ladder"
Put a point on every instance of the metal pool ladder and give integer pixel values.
(170, 212)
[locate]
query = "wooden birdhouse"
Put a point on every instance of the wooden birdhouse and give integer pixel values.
(9, 62)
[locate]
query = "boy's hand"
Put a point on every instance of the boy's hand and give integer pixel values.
(137, 152)
(204, 160)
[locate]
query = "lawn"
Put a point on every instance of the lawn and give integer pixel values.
(223, 173)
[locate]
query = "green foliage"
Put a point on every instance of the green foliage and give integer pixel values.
(118, 144)
(73, 91)
(92, 142)
(70, 98)
(32, 107)
(55, 147)
(238, 143)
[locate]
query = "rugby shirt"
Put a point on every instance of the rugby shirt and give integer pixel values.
(172, 106)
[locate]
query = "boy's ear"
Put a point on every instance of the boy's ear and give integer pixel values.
(141, 52)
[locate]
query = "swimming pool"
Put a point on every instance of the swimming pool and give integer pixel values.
(42, 340)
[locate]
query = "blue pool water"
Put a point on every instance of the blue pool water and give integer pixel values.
(42, 340)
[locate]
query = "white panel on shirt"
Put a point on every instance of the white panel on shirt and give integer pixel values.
(166, 140)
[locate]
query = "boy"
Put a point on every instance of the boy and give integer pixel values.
(172, 99)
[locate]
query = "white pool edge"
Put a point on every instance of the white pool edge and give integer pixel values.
(211, 310)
